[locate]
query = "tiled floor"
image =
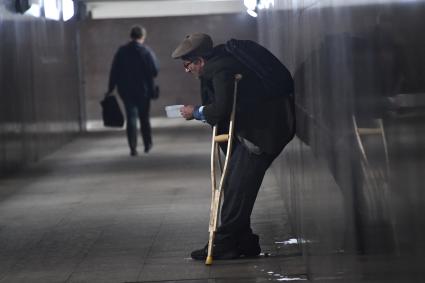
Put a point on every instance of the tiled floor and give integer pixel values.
(91, 213)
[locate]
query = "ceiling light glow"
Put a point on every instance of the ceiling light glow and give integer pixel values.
(34, 10)
(250, 4)
(252, 13)
(67, 9)
(51, 9)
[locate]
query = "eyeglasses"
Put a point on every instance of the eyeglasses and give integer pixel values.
(187, 64)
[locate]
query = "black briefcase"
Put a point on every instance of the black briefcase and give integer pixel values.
(111, 112)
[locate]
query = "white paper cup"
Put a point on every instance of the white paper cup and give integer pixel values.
(173, 111)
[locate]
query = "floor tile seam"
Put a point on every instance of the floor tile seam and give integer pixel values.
(90, 248)
(171, 203)
(172, 280)
(266, 277)
(24, 256)
(154, 239)
(84, 257)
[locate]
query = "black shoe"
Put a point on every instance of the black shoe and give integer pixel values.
(148, 148)
(249, 245)
(219, 252)
(133, 152)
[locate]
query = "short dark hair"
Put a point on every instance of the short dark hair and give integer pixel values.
(137, 32)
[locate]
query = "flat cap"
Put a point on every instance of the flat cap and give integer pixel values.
(195, 44)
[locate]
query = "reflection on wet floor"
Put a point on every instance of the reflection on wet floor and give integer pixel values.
(293, 241)
(282, 277)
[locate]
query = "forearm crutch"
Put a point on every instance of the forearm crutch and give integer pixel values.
(215, 154)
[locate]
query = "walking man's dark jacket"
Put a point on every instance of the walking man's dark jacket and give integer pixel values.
(133, 77)
(267, 122)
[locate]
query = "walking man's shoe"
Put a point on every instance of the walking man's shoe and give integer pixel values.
(148, 148)
(133, 152)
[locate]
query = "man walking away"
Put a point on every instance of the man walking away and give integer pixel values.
(133, 70)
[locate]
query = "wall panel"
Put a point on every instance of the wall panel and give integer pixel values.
(39, 87)
(356, 165)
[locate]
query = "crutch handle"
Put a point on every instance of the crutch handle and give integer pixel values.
(221, 138)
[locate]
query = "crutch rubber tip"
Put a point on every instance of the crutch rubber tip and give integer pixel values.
(209, 260)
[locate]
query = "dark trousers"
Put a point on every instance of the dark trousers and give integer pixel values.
(246, 173)
(138, 109)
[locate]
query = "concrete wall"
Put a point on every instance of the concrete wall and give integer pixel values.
(357, 201)
(39, 108)
(101, 38)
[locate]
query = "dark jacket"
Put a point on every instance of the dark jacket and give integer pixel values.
(265, 121)
(133, 70)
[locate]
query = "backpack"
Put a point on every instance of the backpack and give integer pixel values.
(276, 78)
